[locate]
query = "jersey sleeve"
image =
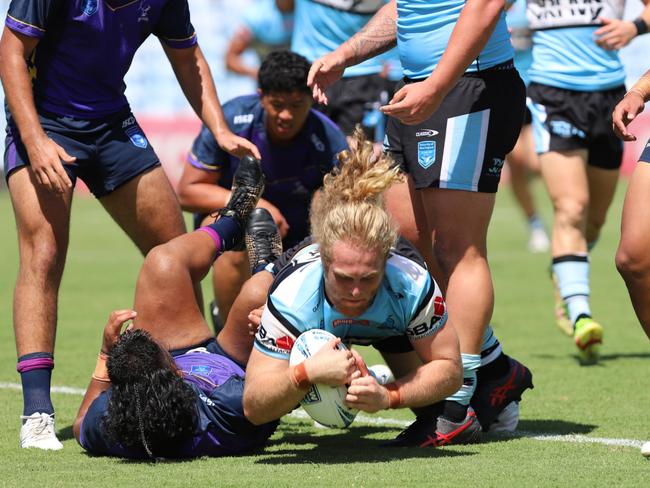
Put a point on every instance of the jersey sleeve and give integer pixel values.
(206, 153)
(92, 436)
(174, 27)
(430, 315)
(276, 334)
(31, 17)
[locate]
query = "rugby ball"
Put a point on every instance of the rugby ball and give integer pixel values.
(323, 403)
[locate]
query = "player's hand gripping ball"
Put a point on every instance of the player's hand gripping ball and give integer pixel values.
(325, 404)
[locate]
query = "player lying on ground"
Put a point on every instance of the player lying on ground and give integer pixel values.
(166, 387)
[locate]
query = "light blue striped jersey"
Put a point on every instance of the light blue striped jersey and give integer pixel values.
(423, 31)
(320, 26)
(565, 54)
(408, 302)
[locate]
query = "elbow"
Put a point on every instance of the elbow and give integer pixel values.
(253, 413)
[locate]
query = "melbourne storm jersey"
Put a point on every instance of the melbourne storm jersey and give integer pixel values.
(222, 429)
(408, 302)
(564, 52)
(86, 47)
(293, 171)
(423, 31)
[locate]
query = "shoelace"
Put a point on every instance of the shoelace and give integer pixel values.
(45, 422)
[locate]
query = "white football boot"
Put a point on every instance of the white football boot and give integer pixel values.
(38, 431)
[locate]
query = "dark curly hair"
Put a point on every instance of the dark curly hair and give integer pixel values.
(151, 409)
(284, 72)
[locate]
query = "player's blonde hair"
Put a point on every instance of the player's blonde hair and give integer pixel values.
(351, 206)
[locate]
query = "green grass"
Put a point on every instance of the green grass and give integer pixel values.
(609, 400)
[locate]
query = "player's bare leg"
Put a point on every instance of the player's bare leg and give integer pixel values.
(42, 221)
(632, 257)
(229, 273)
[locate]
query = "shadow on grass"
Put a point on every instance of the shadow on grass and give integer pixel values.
(534, 428)
(300, 445)
(65, 434)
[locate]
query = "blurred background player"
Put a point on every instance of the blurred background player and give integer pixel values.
(264, 28)
(160, 390)
(451, 123)
(298, 146)
(65, 123)
(319, 27)
(632, 257)
(522, 160)
(576, 80)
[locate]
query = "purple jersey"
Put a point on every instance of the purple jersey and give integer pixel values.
(222, 429)
(86, 47)
(293, 171)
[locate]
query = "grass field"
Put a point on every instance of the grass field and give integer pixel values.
(580, 426)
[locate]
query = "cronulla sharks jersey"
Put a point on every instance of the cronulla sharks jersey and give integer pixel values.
(423, 31)
(565, 54)
(408, 302)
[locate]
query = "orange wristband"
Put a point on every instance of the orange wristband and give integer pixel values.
(299, 376)
(394, 395)
(101, 372)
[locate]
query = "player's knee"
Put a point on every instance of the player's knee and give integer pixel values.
(43, 256)
(631, 263)
(570, 212)
(161, 261)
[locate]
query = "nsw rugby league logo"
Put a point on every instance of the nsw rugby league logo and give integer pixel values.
(90, 7)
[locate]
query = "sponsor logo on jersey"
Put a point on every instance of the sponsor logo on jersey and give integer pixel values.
(243, 119)
(128, 121)
(565, 130)
(90, 7)
(281, 345)
(137, 137)
(206, 400)
(201, 370)
(143, 12)
(318, 144)
(426, 133)
(350, 322)
(285, 343)
(426, 153)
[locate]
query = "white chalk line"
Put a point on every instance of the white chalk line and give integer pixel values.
(387, 422)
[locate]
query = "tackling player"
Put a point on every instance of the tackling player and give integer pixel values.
(160, 390)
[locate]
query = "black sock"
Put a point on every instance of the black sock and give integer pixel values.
(494, 370)
(229, 230)
(454, 411)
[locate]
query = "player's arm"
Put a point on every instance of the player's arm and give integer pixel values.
(240, 41)
(44, 154)
(100, 381)
(194, 76)
(617, 33)
(273, 388)
(376, 37)
(198, 190)
(415, 102)
(632, 105)
(440, 375)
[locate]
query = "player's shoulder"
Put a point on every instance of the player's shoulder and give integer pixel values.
(242, 112)
(325, 135)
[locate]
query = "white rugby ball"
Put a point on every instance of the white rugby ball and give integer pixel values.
(325, 404)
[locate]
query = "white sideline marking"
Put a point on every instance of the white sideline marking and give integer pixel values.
(381, 421)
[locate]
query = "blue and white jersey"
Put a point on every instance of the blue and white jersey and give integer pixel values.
(408, 302)
(564, 52)
(521, 37)
(267, 24)
(320, 26)
(423, 31)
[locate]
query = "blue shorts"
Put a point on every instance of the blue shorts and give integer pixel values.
(110, 151)
(645, 155)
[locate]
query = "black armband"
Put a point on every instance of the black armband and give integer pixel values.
(641, 26)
